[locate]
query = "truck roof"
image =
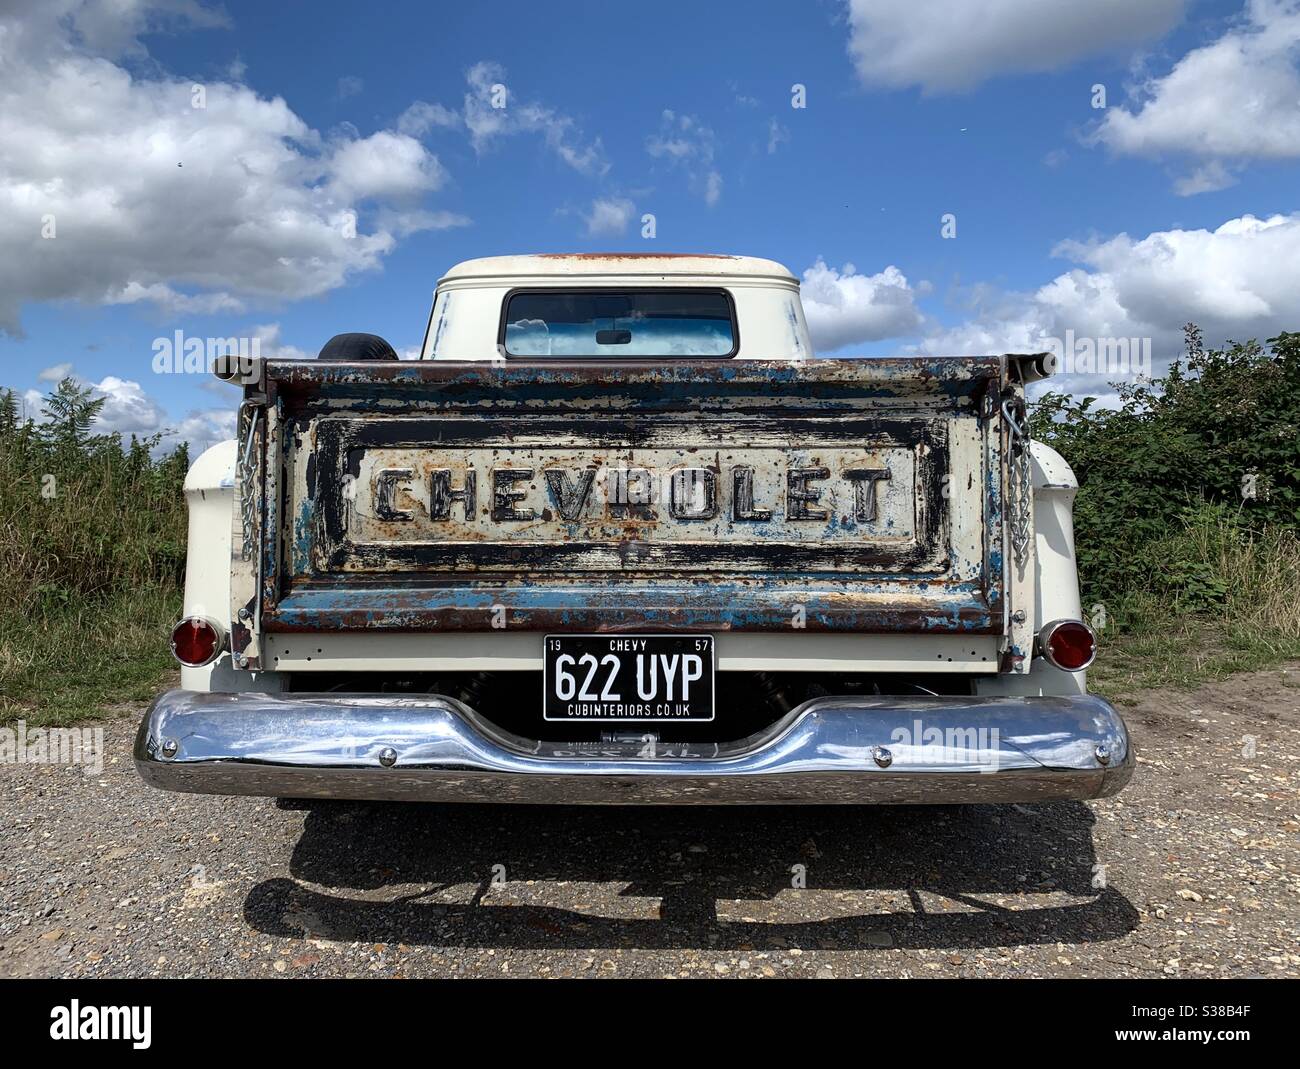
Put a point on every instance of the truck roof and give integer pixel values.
(654, 264)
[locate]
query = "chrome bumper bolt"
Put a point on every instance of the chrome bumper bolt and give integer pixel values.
(1103, 753)
(882, 756)
(170, 747)
(388, 757)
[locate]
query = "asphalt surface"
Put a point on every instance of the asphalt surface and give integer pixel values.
(1193, 871)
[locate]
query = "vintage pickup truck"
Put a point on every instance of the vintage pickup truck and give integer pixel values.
(619, 536)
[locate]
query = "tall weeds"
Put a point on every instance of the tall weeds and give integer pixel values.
(85, 516)
(92, 555)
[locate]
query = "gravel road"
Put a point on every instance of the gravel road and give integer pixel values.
(1193, 871)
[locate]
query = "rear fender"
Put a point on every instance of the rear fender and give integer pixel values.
(1056, 580)
(210, 500)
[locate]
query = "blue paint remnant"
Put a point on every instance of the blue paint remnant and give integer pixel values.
(367, 587)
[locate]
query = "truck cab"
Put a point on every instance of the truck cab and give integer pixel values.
(618, 535)
(647, 306)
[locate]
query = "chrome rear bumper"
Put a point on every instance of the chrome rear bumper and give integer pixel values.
(831, 750)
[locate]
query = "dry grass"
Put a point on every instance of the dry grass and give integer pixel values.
(1252, 622)
(67, 665)
(1262, 577)
(90, 569)
(86, 525)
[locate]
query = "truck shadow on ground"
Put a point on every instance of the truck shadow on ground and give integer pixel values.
(718, 878)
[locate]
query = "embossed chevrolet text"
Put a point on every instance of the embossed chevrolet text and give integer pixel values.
(841, 490)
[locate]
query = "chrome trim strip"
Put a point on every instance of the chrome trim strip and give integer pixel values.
(830, 750)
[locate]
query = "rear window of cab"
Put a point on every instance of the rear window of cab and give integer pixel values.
(619, 323)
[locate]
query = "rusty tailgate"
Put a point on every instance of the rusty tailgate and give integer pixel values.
(859, 495)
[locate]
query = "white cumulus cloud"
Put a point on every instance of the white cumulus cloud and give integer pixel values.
(55, 373)
(201, 429)
(421, 117)
(846, 308)
(385, 164)
(953, 45)
(609, 216)
(1238, 281)
(1231, 101)
(129, 409)
(270, 345)
(115, 188)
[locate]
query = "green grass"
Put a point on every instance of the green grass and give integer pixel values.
(73, 663)
(1181, 655)
(1178, 635)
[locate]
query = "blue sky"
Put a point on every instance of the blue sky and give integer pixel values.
(1175, 201)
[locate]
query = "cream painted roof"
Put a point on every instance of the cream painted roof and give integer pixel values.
(618, 263)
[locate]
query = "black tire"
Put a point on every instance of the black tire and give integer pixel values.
(354, 347)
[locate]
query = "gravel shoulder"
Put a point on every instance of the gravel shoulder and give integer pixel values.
(1193, 871)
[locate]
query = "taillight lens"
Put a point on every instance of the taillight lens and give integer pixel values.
(197, 641)
(1068, 644)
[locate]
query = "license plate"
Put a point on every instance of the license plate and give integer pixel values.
(628, 677)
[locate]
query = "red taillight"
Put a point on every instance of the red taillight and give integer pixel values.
(197, 641)
(1068, 644)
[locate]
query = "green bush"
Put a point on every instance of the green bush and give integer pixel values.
(1211, 450)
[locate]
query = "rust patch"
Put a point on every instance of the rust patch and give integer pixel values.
(432, 494)
(634, 256)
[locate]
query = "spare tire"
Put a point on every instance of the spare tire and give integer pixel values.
(353, 347)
